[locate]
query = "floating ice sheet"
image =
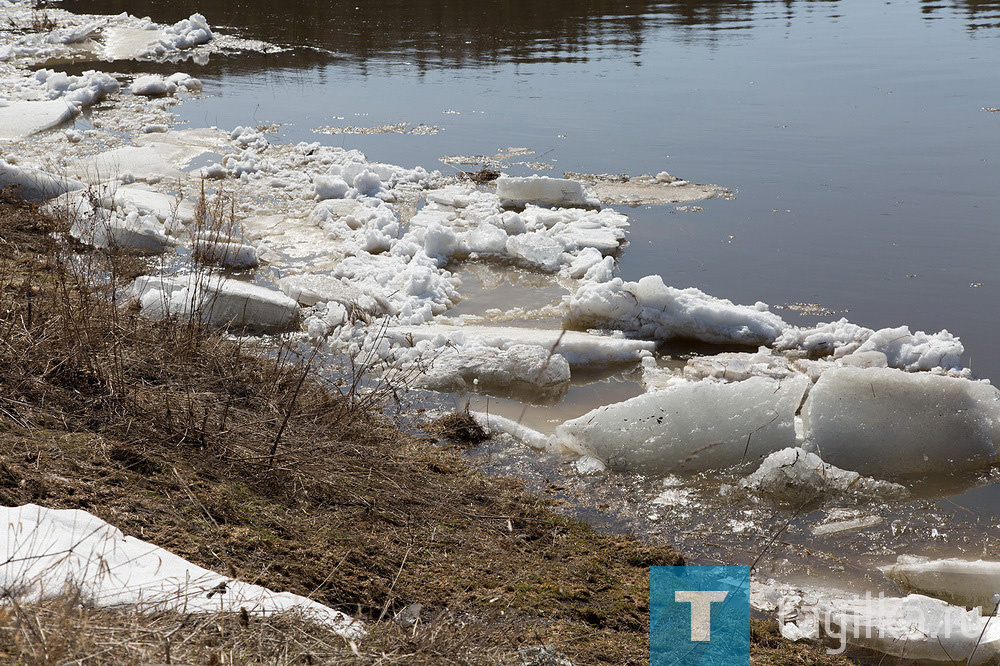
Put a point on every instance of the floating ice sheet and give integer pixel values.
(690, 427)
(915, 627)
(796, 477)
(215, 300)
(22, 119)
(650, 309)
(886, 422)
(962, 582)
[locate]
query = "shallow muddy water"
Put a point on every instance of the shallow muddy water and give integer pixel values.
(854, 135)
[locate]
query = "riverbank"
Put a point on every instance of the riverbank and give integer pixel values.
(165, 429)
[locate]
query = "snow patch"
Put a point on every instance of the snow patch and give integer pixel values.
(47, 552)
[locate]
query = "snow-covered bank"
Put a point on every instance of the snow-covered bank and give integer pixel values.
(49, 552)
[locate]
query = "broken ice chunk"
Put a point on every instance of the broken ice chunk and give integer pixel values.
(215, 300)
(737, 366)
(916, 627)
(885, 422)
(796, 476)
(544, 190)
(588, 466)
(971, 584)
(653, 310)
(842, 520)
(22, 119)
(35, 185)
(579, 349)
(690, 427)
(130, 231)
(225, 254)
(529, 372)
(496, 424)
(902, 349)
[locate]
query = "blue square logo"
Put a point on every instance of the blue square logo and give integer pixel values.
(699, 615)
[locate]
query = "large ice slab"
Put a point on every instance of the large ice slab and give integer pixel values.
(34, 184)
(152, 162)
(523, 371)
(22, 119)
(215, 300)
(653, 310)
(579, 349)
(960, 582)
(886, 422)
(916, 627)
(49, 552)
(115, 230)
(544, 190)
(796, 476)
(690, 427)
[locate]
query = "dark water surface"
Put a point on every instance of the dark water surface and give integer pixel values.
(854, 132)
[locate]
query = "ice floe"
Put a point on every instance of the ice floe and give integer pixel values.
(152, 85)
(117, 230)
(19, 120)
(961, 582)
(215, 300)
(35, 184)
(796, 476)
(50, 552)
(903, 349)
(690, 427)
(559, 192)
(653, 310)
(496, 424)
(914, 627)
(886, 422)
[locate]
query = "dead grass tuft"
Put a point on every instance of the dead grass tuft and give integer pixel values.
(458, 428)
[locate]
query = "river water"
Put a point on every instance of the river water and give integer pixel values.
(856, 137)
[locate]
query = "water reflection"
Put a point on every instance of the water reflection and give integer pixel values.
(979, 14)
(481, 33)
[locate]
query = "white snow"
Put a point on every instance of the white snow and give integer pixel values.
(215, 300)
(152, 85)
(961, 582)
(49, 552)
(690, 427)
(796, 476)
(184, 34)
(653, 310)
(886, 422)
(330, 187)
(903, 349)
(544, 190)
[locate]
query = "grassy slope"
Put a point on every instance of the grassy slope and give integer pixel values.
(165, 430)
